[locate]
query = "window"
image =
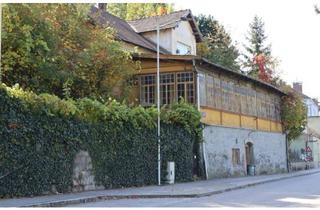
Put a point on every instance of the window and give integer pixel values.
(147, 90)
(236, 156)
(185, 86)
(166, 88)
(183, 49)
(172, 86)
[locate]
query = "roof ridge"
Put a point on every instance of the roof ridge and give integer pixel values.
(159, 15)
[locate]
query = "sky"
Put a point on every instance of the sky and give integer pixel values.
(292, 27)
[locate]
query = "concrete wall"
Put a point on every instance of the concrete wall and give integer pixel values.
(269, 151)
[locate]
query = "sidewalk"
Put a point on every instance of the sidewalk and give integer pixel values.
(190, 189)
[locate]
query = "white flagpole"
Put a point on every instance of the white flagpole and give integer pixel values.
(158, 104)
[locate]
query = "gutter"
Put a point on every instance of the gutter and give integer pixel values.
(198, 106)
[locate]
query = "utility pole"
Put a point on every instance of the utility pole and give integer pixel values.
(0, 40)
(158, 102)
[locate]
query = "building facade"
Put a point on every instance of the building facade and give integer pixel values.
(241, 115)
(304, 151)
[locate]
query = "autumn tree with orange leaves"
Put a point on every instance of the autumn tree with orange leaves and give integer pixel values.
(257, 60)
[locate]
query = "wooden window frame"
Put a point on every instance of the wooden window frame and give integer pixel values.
(185, 86)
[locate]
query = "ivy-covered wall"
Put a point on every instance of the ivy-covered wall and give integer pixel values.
(40, 135)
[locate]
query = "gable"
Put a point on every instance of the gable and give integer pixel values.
(165, 22)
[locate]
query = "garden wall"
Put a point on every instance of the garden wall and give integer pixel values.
(38, 145)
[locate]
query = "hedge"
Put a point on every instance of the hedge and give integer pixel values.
(41, 134)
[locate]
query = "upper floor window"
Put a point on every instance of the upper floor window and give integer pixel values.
(172, 87)
(183, 49)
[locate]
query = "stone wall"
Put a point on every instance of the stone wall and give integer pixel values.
(83, 178)
(269, 151)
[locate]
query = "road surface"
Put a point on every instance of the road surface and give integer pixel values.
(301, 191)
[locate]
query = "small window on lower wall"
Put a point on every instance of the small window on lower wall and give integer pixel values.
(235, 156)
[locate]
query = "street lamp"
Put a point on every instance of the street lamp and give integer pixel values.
(287, 151)
(158, 93)
(0, 38)
(158, 102)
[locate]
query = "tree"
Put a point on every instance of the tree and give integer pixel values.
(293, 114)
(132, 11)
(316, 8)
(54, 48)
(217, 46)
(257, 60)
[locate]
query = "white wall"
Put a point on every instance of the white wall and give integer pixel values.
(313, 109)
(269, 151)
(184, 34)
(165, 38)
(170, 37)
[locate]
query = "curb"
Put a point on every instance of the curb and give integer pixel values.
(62, 203)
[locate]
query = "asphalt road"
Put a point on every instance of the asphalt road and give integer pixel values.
(301, 191)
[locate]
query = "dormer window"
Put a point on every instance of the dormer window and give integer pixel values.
(183, 49)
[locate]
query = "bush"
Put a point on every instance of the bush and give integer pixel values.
(40, 135)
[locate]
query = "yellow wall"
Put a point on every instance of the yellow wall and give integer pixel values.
(263, 125)
(248, 122)
(232, 120)
(216, 117)
(211, 117)
(279, 127)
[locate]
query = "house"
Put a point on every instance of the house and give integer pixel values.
(241, 115)
(304, 151)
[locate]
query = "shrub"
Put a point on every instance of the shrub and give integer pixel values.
(40, 135)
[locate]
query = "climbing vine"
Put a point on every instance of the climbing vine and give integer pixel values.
(293, 114)
(41, 134)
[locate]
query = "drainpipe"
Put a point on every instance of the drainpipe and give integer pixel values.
(198, 106)
(287, 152)
(198, 85)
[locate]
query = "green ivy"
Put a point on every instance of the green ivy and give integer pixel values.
(293, 115)
(41, 134)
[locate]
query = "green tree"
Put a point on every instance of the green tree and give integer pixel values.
(293, 114)
(257, 60)
(131, 11)
(54, 48)
(217, 46)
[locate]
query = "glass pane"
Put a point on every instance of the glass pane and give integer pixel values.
(190, 92)
(181, 91)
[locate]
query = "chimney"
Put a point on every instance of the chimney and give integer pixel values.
(102, 6)
(297, 86)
